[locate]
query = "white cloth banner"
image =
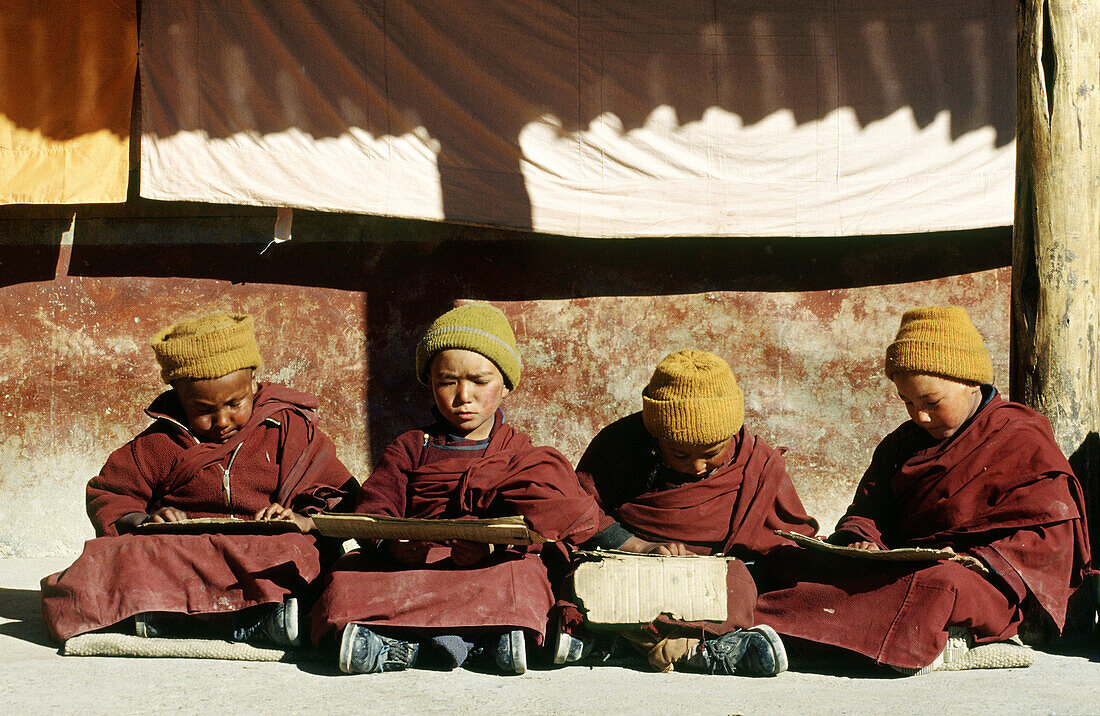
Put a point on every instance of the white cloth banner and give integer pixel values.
(601, 119)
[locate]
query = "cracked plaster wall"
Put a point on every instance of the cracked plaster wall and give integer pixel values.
(339, 310)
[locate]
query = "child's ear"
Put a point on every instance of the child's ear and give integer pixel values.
(255, 383)
(504, 392)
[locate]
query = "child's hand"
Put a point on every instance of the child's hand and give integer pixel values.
(408, 552)
(864, 544)
(641, 546)
(675, 549)
(465, 553)
(166, 514)
(130, 522)
(969, 562)
(275, 511)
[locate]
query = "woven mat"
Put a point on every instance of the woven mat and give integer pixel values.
(1000, 655)
(110, 644)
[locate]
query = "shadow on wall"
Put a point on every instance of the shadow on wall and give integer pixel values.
(27, 263)
(392, 258)
(408, 272)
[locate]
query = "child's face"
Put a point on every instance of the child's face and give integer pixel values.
(938, 405)
(467, 388)
(696, 461)
(217, 408)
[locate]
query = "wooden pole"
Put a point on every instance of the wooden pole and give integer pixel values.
(1056, 230)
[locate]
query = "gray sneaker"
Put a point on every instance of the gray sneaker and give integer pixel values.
(276, 624)
(511, 652)
(364, 652)
(746, 652)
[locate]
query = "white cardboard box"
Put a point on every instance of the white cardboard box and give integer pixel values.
(623, 588)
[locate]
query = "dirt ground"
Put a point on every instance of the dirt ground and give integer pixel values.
(34, 678)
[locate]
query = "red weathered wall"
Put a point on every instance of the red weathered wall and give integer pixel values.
(338, 311)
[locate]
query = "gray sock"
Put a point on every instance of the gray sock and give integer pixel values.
(453, 648)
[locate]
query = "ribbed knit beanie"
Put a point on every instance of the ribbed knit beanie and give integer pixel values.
(207, 347)
(942, 341)
(693, 399)
(474, 327)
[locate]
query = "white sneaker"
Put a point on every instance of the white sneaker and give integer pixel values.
(959, 642)
(568, 648)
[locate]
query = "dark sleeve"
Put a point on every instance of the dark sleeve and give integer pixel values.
(600, 472)
(386, 490)
(611, 537)
(871, 511)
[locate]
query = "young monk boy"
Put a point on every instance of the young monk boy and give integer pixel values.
(387, 601)
(222, 444)
(685, 472)
(969, 472)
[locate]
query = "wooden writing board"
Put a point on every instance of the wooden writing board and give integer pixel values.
(904, 554)
(498, 530)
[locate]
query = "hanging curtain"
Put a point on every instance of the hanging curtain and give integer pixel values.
(611, 119)
(67, 72)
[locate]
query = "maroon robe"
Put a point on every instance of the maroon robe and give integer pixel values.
(423, 474)
(999, 490)
(734, 511)
(278, 456)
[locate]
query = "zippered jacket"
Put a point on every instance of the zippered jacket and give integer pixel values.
(279, 455)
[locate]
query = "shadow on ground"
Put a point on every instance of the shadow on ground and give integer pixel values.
(1076, 646)
(23, 608)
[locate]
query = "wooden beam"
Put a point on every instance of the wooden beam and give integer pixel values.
(1056, 230)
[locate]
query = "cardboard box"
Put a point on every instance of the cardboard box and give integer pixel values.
(623, 588)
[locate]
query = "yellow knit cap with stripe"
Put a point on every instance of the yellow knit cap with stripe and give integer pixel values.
(941, 341)
(475, 327)
(693, 399)
(207, 347)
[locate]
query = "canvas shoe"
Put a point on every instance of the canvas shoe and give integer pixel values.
(568, 648)
(148, 625)
(168, 625)
(282, 625)
(277, 624)
(746, 652)
(959, 643)
(511, 652)
(364, 652)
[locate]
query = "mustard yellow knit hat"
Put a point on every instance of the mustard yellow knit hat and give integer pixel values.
(693, 399)
(474, 327)
(939, 340)
(207, 347)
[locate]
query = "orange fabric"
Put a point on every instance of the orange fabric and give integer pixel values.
(67, 74)
(662, 653)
